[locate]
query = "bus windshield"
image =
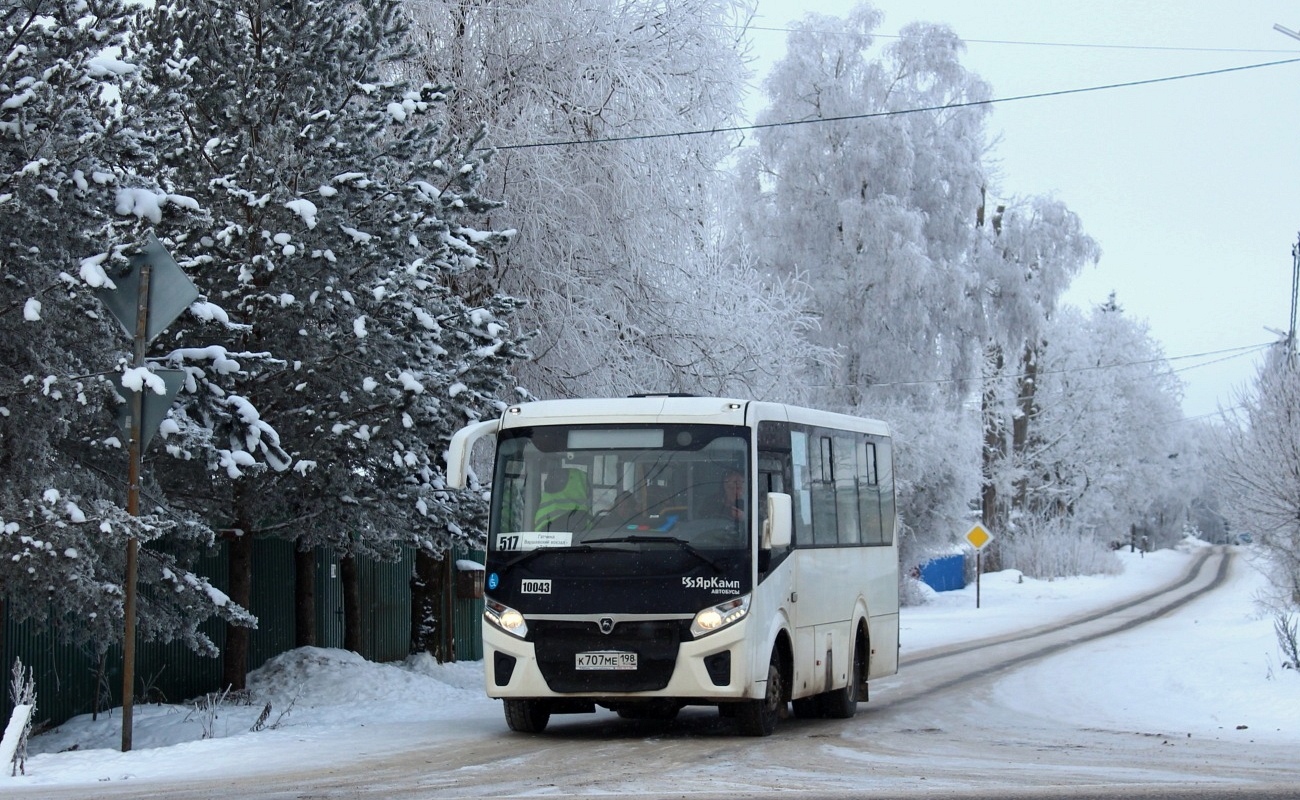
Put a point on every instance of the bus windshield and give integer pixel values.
(625, 486)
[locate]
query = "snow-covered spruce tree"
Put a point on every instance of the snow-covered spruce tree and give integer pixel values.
(616, 253)
(339, 244)
(75, 156)
(879, 215)
(1262, 469)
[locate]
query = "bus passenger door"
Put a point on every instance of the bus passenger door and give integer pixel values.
(805, 600)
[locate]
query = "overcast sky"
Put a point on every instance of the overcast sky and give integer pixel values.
(1190, 187)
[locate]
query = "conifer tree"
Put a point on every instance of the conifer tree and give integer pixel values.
(335, 254)
(78, 189)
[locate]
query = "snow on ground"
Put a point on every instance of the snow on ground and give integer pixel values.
(1217, 667)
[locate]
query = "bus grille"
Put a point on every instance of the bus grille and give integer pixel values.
(558, 642)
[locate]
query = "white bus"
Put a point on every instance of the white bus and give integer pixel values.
(654, 552)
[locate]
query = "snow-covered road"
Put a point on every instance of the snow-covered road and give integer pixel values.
(1039, 708)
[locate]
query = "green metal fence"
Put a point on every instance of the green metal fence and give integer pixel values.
(69, 678)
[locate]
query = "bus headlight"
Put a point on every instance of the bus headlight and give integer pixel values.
(715, 618)
(505, 618)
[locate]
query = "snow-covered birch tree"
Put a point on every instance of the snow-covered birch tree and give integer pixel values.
(879, 214)
(1027, 253)
(617, 251)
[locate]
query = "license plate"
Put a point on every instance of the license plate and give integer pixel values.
(605, 660)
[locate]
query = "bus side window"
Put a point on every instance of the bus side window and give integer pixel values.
(885, 462)
(846, 489)
(869, 494)
(774, 464)
(825, 524)
(801, 488)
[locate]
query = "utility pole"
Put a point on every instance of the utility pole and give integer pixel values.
(1292, 34)
(1295, 251)
(1295, 296)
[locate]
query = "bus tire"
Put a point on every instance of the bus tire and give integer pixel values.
(527, 716)
(758, 717)
(843, 703)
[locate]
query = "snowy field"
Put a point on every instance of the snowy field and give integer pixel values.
(1212, 669)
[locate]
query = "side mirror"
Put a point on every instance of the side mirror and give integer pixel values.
(462, 442)
(779, 526)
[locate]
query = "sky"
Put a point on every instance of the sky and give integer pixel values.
(1188, 186)
(1159, 677)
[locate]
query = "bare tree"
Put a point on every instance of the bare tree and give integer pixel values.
(1262, 466)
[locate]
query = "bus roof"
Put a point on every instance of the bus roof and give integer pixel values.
(679, 409)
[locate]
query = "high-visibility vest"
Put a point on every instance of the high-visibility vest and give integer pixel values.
(554, 505)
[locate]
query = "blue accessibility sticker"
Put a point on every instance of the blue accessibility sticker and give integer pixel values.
(493, 581)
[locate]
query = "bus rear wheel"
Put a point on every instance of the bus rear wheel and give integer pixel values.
(527, 716)
(843, 703)
(758, 717)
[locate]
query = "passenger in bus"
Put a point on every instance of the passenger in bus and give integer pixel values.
(627, 509)
(564, 503)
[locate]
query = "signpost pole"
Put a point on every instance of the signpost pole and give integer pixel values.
(164, 288)
(133, 509)
(978, 537)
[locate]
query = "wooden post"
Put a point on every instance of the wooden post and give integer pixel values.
(304, 597)
(449, 606)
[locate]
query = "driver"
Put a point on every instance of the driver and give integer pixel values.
(733, 495)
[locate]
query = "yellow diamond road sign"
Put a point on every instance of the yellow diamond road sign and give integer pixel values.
(978, 537)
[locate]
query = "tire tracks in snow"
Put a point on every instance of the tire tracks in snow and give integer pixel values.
(1009, 651)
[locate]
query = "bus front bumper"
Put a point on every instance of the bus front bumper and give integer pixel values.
(714, 668)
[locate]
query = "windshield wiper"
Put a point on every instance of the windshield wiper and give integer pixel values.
(682, 543)
(531, 554)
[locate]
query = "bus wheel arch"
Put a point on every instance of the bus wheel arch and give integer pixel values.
(862, 645)
(759, 717)
(843, 703)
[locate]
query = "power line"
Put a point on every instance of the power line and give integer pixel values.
(898, 112)
(1220, 360)
(1220, 412)
(1235, 352)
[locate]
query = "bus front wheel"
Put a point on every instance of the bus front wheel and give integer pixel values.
(527, 716)
(758, 717)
